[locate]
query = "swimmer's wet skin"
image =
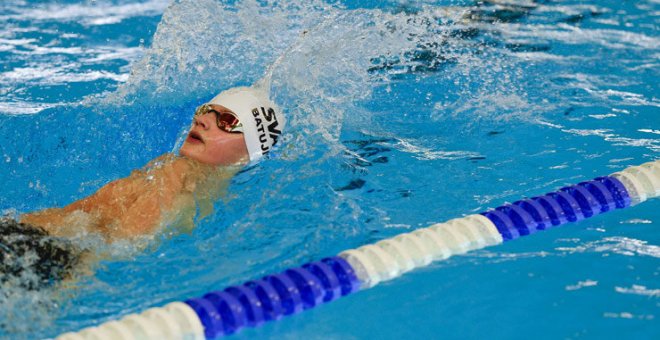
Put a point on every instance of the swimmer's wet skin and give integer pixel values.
(238, 126)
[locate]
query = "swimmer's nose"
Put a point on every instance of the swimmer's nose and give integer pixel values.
(203, 121)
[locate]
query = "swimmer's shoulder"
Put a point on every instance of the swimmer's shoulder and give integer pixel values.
(166, 165)
(188, 172)
(160, 161)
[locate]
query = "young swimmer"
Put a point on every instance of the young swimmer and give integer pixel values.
(237, 126)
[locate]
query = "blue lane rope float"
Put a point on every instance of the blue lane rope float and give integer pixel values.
(253, 303)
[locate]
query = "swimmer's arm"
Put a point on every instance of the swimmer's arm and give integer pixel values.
(156, 197)
(133, 205)
(125, 207)
(96, 206)
(44, 218)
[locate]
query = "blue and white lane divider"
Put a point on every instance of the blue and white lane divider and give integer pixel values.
(224, 312)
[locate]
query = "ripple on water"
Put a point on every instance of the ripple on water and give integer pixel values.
(615, 245)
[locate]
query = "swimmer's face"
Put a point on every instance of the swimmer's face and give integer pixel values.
(208, 143)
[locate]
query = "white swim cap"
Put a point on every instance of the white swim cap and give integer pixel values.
(262, 120)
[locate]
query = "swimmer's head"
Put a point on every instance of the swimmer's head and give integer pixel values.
(237, 126)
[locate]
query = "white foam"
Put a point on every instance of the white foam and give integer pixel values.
(569, 34)
(617, 245)
(24, 108)
(57, 75)
(89, 13)
(610, 136)
(638, 290)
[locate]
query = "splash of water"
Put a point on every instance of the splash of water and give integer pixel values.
(321, 60)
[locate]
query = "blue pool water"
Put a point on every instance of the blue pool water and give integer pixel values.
(401, 114)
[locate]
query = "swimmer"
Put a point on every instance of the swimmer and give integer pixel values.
(236, 127)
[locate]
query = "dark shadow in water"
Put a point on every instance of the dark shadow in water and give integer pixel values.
(434, 57)
(363, 153)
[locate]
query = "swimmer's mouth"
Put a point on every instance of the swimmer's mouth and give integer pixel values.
(194, 135)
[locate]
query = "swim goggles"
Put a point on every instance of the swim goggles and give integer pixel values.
(226, 120)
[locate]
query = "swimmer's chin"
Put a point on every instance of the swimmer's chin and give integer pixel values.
(193, 158)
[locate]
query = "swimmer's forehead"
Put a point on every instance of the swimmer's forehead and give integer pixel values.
(220, 108)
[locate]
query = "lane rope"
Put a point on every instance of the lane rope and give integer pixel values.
(253, 303)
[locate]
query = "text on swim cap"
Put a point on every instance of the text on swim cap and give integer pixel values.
(271, 124)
